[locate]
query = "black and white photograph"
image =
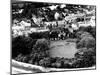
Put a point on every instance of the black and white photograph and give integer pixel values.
(52, 37)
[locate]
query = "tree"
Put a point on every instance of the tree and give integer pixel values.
(41, 45)
(85, 34)
(81, 34)
(85, 57)
(88, 42)
(89, 29)
(21, 45)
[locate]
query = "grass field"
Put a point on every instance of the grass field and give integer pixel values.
(62, 48)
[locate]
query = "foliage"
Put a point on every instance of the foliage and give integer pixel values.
(22, 45)
(34, 49)
(87, 42)
(89, 29)
(41, 45)
(85, 57)
(45, 62)
(22, 58)
(39, 35)
(81, 34)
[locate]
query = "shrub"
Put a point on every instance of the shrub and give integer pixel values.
(45, 62)
(78, 64)
(59, 63)
(34, 57)
(22, 58)
(66, 64)
(56, 65)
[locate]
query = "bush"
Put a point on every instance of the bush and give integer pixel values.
(22, 58)
(45, 62)
(56, 65)
(78, 64)
(59, 63)
(67, 64)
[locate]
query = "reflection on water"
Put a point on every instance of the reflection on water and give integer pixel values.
(62, 49)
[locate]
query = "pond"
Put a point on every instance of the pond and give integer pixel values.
(62, 48)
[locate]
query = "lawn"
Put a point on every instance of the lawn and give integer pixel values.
(62, 48)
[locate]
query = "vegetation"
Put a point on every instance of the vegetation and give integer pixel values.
(34, 48)
(87, 42)
(86, 57)
(35, 51)
(89, 29)
(39, 35)
(22, 45)
(87, 49)
(38, 49)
